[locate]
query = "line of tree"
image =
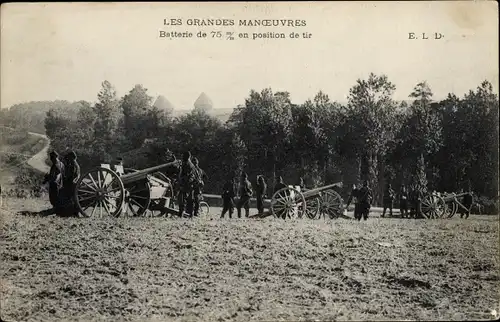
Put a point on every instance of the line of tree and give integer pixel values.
(445, 145)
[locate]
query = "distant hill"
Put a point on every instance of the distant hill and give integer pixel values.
(31, 116)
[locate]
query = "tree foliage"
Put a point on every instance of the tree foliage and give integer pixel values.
(442, 145)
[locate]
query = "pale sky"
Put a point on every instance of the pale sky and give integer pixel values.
(65, 51)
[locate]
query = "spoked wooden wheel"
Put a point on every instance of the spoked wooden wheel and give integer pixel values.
(288, 203)
(204, 209)
(312, 208)
(433, 207)
(332, 204)
(137, 197)
(99, 192)
(451, 209)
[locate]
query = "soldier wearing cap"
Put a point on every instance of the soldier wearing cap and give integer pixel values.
(354, 197)
(245, 192)
(403, 201)
(388, 200)
(186, 181)
(55, 179)
(261, 193)
(71, 176)
(228, 198)
(365, 200)
(198, 186)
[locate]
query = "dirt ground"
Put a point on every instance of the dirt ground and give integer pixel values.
(152, 269)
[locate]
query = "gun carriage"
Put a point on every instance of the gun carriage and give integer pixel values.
(453, 205)
(291, 202)
(148, 192)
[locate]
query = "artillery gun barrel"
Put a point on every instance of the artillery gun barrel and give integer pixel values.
(316, 191)
(452, 196)
(142, 174)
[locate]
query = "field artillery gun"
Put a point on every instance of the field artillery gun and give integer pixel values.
(436, 205)
(291, 202)
(453, 205)
(103, 191)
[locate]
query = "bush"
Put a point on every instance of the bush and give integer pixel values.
(489, 206)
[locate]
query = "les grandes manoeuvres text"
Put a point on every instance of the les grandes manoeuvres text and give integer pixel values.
(233, 22)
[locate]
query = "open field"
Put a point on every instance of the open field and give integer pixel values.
(213, 270)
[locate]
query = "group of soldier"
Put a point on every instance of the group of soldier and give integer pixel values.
(65, 172)
(190, 182)
(62, 179)
(245, 192)
(410, 201)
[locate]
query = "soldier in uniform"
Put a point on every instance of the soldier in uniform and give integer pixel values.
(403, 202)
(245, 192)
(261, 192)
(416, 197)
(198, 186)
(186, 180)
(365, 200)
(388, 200)
(467, 202)
(228, 198)
(71, 176)
(55, 180)
(354, 197)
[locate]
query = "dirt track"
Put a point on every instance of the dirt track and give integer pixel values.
(38, 160)
(213, 270)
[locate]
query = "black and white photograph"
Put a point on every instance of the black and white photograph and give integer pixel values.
(249, 161)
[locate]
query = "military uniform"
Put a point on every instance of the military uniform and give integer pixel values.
(354, 196)
(388, 200)
(55, 179)
(403, 202)
(261, 192)
(365, 200)
(187, 178)
(71, 176)
(228, 199)
(198, 186)
(467, 201)
(245, 194)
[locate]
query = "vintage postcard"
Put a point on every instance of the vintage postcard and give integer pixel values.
(249, 161)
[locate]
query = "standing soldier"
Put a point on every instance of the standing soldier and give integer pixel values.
(365, 200)
(388, 200)
(403, 202)
(55, 180)
(186, 183)
(261, 192)
(245, 194)
(198, 186)
(467, 202)
(354, 197)
(72, 174)
(228, 198)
